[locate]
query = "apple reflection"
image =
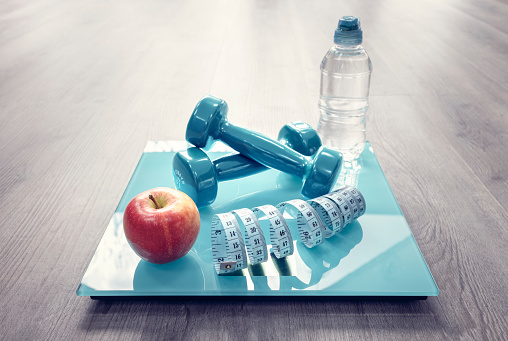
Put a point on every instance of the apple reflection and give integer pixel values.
(183, 276)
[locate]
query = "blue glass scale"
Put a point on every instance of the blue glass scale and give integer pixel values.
(376, 255)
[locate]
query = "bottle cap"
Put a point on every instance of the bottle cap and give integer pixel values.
(349, 31)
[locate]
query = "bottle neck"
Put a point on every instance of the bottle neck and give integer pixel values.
(348, 47)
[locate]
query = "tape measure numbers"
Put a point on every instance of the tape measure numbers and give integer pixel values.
(360, 200)
(310, 226)
(228, 249)
(254, 237)
(343, 205)
(330, 213)
(280, 237)
(348, 203)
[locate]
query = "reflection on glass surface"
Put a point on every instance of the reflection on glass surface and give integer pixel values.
(349, 173)
(376, 255)
(114, 262)
(183, 275)
(317, 261)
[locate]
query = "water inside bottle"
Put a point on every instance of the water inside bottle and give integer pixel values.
(343, 102)
(343, 133)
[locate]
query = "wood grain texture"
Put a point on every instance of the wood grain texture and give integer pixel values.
(84, 85)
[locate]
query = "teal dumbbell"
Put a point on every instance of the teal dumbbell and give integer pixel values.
(209, 122)
(198, 176)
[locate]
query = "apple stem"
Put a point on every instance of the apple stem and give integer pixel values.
(157, 206)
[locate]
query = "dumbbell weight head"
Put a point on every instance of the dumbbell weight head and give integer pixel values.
(194, 174)
(325, 167)
(205, 121)
(198, 176)
(300, 136)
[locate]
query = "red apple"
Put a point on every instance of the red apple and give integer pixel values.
(161, 224)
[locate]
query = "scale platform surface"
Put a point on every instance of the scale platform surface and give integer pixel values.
(375, 256)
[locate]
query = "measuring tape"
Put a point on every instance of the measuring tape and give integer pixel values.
(280, 237)
(352, 205)
(310, 226)
(254, 236)
(228, 249)
(330, 213)
(359, 199)
(316, 219)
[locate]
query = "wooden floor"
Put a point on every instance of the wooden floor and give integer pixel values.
(84, 85)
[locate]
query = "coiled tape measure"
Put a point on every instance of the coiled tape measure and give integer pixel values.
(316, 219)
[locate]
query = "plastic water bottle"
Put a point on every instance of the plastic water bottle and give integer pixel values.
(345, 80)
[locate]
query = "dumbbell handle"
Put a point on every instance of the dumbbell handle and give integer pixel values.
(235, 166)
(263, 149)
